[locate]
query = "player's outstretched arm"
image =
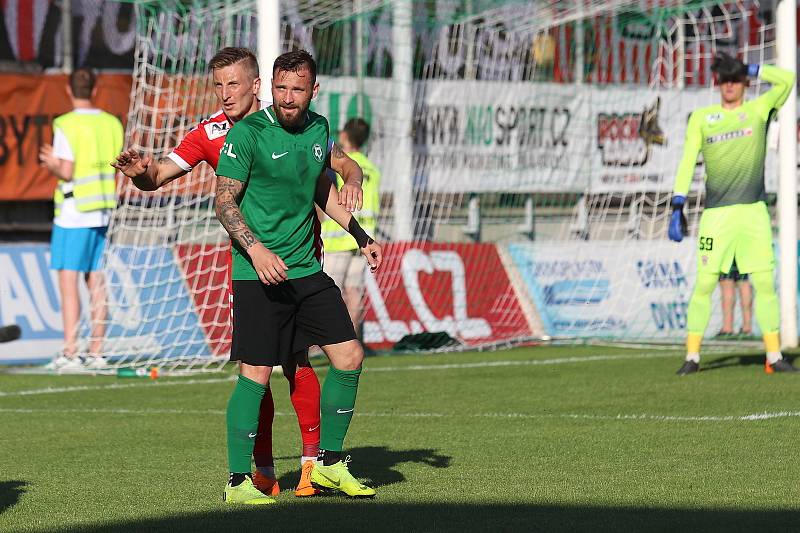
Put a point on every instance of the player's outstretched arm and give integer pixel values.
(351, 196)
(270, 268)
(325, 197)
(145, 174)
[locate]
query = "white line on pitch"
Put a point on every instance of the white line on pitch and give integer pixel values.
(526, 362)
(413, 368)
(755, 417)
(114, 386)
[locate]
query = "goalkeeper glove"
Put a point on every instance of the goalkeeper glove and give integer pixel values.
(677, 221)
(752, 70)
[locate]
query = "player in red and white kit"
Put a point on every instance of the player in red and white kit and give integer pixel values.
(236, 85)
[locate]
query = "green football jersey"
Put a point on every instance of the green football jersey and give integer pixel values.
(734, 144)
(280, 170)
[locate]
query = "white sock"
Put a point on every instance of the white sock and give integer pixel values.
(306, 458)
(267, 471)
(774, 357)
(693, 356)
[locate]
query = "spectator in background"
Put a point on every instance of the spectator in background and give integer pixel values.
(728, 283)
(85, 141)
(342, 259)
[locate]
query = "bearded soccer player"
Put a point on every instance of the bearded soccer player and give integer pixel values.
(735, 224)
(269, 176)
(236, 85)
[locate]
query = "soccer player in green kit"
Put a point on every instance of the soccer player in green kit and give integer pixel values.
(735, 224)
(269, 176)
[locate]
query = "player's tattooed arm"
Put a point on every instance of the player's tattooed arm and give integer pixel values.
(227, 210)
(351, 196)
(144, 173)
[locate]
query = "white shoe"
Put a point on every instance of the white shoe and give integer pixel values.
(62, 363)
(97, 362)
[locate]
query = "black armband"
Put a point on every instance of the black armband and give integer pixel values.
(358, 233)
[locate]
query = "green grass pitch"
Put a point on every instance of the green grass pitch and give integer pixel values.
(533, 439)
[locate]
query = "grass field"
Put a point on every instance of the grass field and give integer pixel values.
(542, 438)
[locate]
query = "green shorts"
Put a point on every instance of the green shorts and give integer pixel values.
(742, 232)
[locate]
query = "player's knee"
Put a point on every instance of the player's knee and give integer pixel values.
(257, 373)
(763, 283)
(352, 358)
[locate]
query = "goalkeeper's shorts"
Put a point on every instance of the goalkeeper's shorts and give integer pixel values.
(741, 232)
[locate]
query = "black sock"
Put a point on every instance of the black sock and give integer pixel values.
(328, 457)
(237, 478)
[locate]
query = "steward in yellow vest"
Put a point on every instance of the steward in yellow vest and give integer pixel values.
(341, 260)
(85, 142)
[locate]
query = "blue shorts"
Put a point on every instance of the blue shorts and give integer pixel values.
(77, 248)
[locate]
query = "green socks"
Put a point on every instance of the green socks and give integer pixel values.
(242, 421)
(336, 405)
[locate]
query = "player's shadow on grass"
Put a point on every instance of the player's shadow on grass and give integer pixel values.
(10, 493)
(326, 515)
(735, 360)
(377, 464)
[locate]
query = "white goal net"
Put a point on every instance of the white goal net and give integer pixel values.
(527, 148)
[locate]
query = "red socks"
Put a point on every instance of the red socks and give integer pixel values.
(262, 451)
(305, 393)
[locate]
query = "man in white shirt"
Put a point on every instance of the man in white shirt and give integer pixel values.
(84, 141)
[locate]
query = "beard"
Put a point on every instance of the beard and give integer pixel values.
(291, 123)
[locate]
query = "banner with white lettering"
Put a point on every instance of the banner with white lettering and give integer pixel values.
(621, 290)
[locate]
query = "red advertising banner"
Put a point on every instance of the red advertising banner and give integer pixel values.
(460, 288)
(206, 270)
(28, 105)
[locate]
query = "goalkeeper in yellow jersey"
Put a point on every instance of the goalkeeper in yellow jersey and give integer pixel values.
(735, 224)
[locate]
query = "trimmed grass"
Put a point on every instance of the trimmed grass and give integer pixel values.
(542, 438)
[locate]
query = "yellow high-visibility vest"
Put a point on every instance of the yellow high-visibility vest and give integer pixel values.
(334, 238)
(95, 140)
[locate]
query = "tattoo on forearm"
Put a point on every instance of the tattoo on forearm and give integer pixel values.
(337, 152)
(228, 213)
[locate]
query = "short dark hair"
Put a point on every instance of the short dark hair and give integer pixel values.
(728, 68)
(357, 131)
(294, 61)
(81, 82)
(233, 55)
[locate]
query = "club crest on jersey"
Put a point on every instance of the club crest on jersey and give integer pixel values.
(716, 117)
(742, 117)
(317, 151)
(215, 130)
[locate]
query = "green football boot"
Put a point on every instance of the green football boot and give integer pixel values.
(338, 477)
(246, 493)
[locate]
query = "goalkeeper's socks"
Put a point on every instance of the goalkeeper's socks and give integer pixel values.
(337, 403)
(262, 449)
(237, 479)
(305, 395)
(328, 457)
(242, 423)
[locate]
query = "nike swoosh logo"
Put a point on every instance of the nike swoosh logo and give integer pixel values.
(252, 435)
(343, 411)
(315, 427)
(276, 156)
(329, 478)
